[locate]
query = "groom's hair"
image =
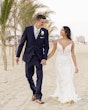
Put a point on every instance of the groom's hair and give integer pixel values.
(38, 17)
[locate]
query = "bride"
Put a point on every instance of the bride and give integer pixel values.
(64, 69)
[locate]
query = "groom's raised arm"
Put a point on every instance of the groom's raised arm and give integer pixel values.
(46, 45)
(23, 39)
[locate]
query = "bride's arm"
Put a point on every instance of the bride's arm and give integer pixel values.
(74, 58)
(53, 50)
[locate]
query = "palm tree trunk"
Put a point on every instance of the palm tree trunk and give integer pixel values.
(12, 56)
(9, 49)
(1, 50)
(4, 49)
(15, 43)
(4, 56)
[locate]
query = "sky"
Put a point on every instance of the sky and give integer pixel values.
(72, 13)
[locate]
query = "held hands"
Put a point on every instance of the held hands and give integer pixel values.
(43, 62)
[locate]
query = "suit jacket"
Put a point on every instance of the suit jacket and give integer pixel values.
(40, 46)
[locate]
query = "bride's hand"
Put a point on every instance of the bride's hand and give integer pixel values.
(76, 70)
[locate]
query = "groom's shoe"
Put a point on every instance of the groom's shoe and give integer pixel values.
(39, 101)
(33, 98)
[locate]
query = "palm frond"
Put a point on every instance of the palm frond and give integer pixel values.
(9, 37)
(5, 10)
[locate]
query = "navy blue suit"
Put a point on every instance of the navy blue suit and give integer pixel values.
(35, 51)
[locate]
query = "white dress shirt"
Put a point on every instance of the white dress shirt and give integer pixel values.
(36, 32)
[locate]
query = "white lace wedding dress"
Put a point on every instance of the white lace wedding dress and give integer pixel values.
(64, 69)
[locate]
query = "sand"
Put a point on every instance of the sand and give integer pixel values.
(15, 93)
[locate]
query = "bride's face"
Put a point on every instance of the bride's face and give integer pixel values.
(62, 32)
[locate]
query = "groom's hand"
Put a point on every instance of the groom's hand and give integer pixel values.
(43, 62)
(17, 60)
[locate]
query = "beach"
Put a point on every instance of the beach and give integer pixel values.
(15, 93)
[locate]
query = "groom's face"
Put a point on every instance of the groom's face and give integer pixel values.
(40, 22)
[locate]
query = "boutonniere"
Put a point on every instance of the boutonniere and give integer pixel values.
(42, 33)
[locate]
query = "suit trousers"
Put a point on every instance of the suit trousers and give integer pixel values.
(29, 69)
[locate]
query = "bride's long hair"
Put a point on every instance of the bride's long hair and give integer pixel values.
(67, 31)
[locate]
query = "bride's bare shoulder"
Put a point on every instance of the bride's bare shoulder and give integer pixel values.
(55, 41)
(58, 40)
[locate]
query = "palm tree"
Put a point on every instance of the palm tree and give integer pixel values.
(27, 11)
(50, 26)
(23, 12)
(6, 6)
(15, 21)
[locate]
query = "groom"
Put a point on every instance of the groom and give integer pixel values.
(35, 54)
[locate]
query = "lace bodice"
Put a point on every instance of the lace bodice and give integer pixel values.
(66, 51)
